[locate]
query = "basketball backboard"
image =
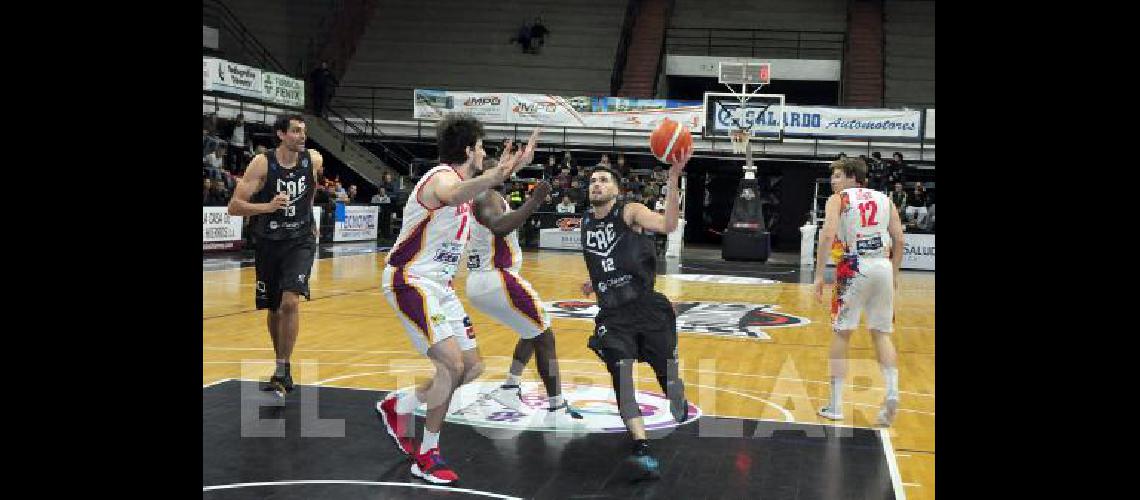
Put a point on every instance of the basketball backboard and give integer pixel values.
(762, 113)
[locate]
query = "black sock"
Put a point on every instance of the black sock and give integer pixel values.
(282, 369)
(641, 447)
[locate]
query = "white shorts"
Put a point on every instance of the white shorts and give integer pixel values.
(872, 289)
(431, 311)
(504, 295)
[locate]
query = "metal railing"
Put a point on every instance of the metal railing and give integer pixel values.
(216, 12)
(736, 42)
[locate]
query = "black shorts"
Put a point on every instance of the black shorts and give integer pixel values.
(282, 265)
(645, 330)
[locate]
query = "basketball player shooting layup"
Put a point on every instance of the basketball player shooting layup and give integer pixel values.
(634, 322)
(282, 184)
(859, 227)
(417, 283)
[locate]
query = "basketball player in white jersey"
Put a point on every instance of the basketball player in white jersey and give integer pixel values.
(864, 236)
(417, 283)
(495, 287)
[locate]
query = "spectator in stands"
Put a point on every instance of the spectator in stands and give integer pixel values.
(842, 156)
(548, 204)
(522, 36)
(564, 180)
(237, 141)
(876, 178)
(898, 196)
(218, 196)
(352, 193)
(388, 183)
(895, 169)
(324, 83)
(568, 162)
(206, 184)
(658, 173)
(216, 158)
(381, 197)
(515, 196)
(538, 33)
(551, 169)
(341, 194)
(659, 204)
(916, 207)
(209, 142)
(604, 161)
(577, 193)
(622, 168)
(567, 206)
(635, 185)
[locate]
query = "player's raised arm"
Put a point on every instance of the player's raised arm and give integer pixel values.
(641, 215)
(489, 210)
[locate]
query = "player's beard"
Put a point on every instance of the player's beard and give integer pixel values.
(597, 202)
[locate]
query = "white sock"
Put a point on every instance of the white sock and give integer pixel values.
(892, 378)
(836, 394)
(407, 402)
(431, 440)
(555, 401)
(512, 379)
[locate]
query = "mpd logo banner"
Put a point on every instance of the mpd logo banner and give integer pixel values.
(708, 318)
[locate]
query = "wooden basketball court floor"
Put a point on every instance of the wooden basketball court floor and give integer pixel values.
(351, 338)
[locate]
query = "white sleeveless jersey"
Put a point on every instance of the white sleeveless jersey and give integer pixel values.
(864, 217)
(432, 238)
(488, 252)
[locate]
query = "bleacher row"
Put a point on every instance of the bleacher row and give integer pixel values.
(457, 45)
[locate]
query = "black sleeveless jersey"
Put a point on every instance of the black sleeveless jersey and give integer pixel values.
(622, 263)
(295, 220)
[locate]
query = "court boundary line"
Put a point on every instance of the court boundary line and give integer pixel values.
(892, 465)
(217, 487)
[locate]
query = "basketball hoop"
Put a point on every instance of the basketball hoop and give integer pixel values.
(739, 139)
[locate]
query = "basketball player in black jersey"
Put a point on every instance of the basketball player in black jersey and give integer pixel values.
(282, 183)
(634, 322)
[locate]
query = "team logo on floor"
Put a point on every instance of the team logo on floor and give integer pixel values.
(708, 318)
(472, 405)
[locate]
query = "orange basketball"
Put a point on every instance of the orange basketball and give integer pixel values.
(670, 138)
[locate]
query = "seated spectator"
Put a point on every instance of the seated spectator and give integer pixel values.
(659, 204)
(381, 197)
(206, 184)
(209, 142)
(577, 193)
(896, 169)
(352, 193)
(916, 207)
(621, 166)
(515, 195)
(635, 184)
(898, 197)
(564, 179)
(388, 183)
(547, 204)
(551, 169)
(567, 206)
(218, 196)
(876, 178)
(341, 194)
(604, 161)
